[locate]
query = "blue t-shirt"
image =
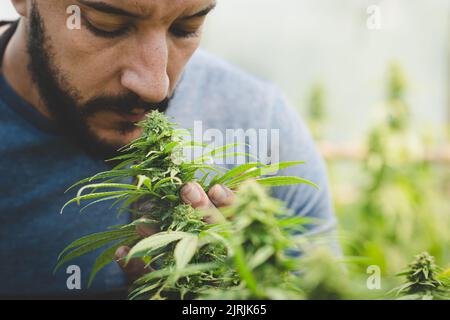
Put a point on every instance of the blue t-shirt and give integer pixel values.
(37, 165)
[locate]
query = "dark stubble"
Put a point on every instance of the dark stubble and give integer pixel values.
(62, 101)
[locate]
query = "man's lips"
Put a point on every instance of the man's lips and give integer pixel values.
(133, 117)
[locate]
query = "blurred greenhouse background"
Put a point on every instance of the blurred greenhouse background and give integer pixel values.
(377, 100)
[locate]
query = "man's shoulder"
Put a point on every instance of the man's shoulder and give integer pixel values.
(211, 72)
(224, 93)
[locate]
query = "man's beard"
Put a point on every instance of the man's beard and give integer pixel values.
(61, 99)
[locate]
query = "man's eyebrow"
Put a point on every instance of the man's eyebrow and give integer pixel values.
(107, 8)
(201, 13)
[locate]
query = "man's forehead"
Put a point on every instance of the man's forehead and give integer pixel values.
(150, 8)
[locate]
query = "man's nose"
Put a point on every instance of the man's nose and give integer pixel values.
(145, 72)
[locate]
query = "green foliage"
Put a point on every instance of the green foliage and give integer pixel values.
(95, 241)
(326, 278)
(392, 203)
(399, 205)
(316, 112)
(188, 255)
(257, 238)
(422, 280)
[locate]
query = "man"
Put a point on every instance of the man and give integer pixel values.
(69, 98)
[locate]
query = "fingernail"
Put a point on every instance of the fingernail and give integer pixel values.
(191, 194)
(220, 193)
(121, 253)
(145, 231)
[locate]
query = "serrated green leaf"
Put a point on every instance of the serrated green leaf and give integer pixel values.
(118, 197)
(108, 256)
(173, 180)
(106, 185)
(260, 257)
(144, 180)
(185, 250)
(113, 235)
(284, 181)
(236, 171)
(156, 241)
(263, 170)
(83, 249)
(92, 196)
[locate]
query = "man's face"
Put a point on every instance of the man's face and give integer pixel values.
(124, 61)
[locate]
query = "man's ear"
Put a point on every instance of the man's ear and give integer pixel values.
(21, 7)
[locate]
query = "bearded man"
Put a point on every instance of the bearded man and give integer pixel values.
(69, 98)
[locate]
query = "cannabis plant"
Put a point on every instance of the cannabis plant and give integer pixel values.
(259, 239)
(316, 111)
(186, 255)
(424, 280)
(400, 206)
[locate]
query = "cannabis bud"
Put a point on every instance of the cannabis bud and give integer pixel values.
(422, 279)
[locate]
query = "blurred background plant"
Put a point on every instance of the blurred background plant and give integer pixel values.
(401, 207)
(378, 105)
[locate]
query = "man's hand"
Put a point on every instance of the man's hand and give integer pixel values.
(192, 193)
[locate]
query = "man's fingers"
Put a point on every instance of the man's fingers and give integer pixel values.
(192, 193)
(221, 196)
(145, 229)
(135, 268)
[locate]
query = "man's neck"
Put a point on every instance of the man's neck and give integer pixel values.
(15, 69)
